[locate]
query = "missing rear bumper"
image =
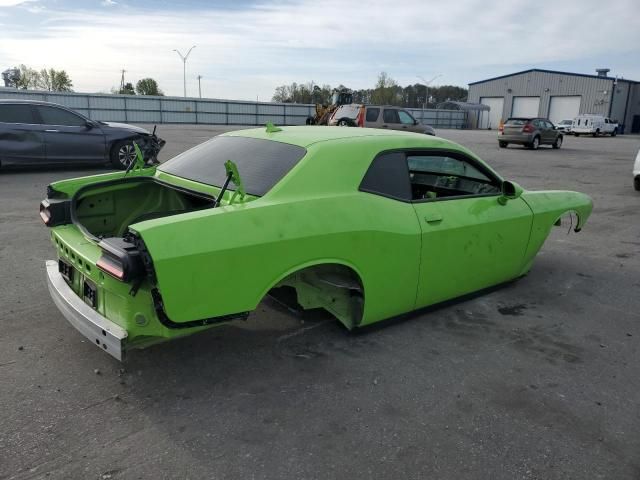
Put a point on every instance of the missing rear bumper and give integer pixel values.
(98, 329)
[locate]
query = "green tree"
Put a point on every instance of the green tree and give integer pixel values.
(126, 90)
(54, 80)
(148, 86)
(28, 78)
(385, 91)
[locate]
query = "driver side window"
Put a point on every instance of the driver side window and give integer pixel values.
(434, 177)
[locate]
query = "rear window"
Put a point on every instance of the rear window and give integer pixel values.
(517, 121)
(261, 163)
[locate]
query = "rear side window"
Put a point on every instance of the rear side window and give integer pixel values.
(388, 176)
(16, 113)
(372, 114)
(390, 116)
(58, 116)
(261, 163)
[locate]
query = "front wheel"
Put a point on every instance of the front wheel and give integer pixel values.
(577, 134)
(636, 183)
(122, 154)
(503, 144)
(596, 133)
(558, 143)
(615, 132)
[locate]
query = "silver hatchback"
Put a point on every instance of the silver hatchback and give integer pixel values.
(530, 132)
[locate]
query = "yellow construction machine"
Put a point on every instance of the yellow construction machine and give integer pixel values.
(323, 112)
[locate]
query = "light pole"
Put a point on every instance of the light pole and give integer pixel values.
(184, 67)
(199, 87)
(426, 94)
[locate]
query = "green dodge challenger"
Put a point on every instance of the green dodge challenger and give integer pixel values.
(367, 224)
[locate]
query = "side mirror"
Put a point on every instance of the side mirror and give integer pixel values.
(510, 191)
(90, 124)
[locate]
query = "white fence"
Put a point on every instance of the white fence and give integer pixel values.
(148, 109)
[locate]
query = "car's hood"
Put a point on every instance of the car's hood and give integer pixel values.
(126, 126)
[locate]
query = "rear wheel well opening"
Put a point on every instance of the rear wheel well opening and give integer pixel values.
(334, 287)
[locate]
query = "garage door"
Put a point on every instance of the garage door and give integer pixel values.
(564, 108)
(525, 106)
(491, 119)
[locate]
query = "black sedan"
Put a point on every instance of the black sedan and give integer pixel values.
(37, 133)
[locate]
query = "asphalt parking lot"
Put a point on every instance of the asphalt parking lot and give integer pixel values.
(538, 379)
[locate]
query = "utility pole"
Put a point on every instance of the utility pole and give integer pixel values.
(122, 81)
(426, 95)
(199, 87)
(184, 67)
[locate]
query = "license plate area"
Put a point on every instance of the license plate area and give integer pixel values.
(90, 293)
(66, 271)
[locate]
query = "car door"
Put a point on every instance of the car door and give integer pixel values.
(390, 119)
(68, 136)
(409, 123)
(21, 141)
(550, 132)
(470, 240)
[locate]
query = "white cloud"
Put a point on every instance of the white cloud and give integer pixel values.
(108, 3)
(12, 3)
(246, 52)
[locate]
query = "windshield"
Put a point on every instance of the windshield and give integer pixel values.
(261, 163)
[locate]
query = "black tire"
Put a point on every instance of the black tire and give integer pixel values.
(122, 154)
(535, 143)
(503, 144)
(310, 121)
(577, 134)
(636, 183)
(558, 143)
(615, 132)
(596, 133)
(345, 122)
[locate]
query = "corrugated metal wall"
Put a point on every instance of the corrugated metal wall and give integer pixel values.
(595, 92)
(146, 109)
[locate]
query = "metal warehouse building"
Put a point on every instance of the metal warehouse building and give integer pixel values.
(557, 96)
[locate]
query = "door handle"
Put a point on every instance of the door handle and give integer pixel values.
(433, 217)
(52, 131)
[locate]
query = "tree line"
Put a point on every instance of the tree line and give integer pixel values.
(385, 92)
(52, 80)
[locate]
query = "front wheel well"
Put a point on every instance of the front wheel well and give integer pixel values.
(335, 287)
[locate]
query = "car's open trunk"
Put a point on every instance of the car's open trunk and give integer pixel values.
(107, 210)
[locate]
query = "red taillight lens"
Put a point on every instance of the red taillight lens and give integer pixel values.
(528, 128)
(111, 266)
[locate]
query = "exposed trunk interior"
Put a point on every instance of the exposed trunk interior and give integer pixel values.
(108, 210)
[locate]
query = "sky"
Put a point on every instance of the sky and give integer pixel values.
(245, 49)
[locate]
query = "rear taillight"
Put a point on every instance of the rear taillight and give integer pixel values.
(45, 213)
(501, 128)
(55, 212)
(120, 259)
(360, 117)
(528, 128)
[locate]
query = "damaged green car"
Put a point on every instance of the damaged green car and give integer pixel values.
(367, 224)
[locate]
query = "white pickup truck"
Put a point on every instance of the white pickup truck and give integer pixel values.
(594, 125)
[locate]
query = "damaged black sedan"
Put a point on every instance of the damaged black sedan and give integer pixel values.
(42, 133)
